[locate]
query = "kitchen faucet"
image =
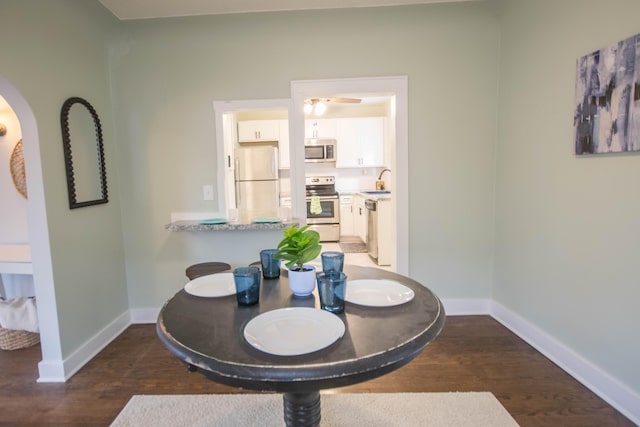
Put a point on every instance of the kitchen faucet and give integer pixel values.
(379, 182)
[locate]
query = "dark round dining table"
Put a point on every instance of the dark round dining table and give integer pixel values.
(207, 335)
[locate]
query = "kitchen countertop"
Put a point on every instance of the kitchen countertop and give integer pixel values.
(375, 196)
(365, 195)
(194, 225)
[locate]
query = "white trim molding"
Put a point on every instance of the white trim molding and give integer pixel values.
(58, 372)
(144, 315)
(51, 371)
(466, 307)
(38, 226)
(591, 376)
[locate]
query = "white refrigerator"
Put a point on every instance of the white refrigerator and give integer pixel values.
(257, 184)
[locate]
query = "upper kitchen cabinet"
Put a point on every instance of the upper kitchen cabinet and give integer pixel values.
(283, 145)
(258, 130)
(361, 142)
(321, 128)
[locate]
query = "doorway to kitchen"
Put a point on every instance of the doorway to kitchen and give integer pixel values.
(253, 158)
(393, 89)
(388, 91)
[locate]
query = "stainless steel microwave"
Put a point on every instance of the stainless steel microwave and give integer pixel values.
(319, 150)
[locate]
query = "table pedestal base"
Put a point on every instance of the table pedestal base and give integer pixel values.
(302, 409)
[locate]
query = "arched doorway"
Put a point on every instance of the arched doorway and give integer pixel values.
(51, 367)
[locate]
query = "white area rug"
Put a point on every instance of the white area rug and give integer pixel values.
(477, 409)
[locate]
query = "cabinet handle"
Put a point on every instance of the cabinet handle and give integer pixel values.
(229, 162)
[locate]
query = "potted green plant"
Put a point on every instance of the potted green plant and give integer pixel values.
(299, 246)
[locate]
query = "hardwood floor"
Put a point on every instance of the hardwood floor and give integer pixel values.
(473, 353)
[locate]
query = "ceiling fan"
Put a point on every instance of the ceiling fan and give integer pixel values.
(319, 105)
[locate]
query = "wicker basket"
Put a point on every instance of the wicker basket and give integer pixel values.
(14, 340)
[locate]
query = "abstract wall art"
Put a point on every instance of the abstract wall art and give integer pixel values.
(607, 103)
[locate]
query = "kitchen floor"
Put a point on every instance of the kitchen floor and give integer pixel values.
(361, 259)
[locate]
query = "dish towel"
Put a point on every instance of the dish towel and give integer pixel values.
(19, 314)
(315, 208)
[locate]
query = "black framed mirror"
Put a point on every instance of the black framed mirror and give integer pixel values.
(83, 151)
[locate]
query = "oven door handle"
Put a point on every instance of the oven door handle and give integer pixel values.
(336, 196)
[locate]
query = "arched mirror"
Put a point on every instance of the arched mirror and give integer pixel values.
(83, 154)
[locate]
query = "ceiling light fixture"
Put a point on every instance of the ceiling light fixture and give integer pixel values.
(315, 106)
(320, 108)
(308, 107)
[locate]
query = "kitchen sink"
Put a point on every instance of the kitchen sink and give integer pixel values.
(377, 192)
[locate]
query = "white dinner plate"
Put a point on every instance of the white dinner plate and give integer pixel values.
(293, 331)
(212, 285)
(377, 292)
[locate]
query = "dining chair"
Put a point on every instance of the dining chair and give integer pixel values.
(204, 268)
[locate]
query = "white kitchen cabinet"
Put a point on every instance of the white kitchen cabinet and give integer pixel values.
(361, 142)
(321, 128)
(346, 216)
(283, 145)
(386, 232)
(258, 130)
(360, 217)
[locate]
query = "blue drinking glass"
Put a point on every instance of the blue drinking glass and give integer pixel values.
(247, 280)
(332, 261)
(331, 289)
(270, 265)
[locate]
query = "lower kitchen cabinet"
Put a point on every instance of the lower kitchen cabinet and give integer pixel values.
(386, 240)
(360, 217)
(346, 216)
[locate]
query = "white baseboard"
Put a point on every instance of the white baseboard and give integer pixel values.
(466, 307)
(50, 372)
(144, 315)
(61, 371)
(591, 376)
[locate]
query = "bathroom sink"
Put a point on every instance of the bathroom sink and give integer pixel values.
(377, 192)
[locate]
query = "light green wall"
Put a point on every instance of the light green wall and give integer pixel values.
(51, 51)
(168, 72)
(567, 230)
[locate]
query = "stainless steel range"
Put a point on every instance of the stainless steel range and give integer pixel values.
(323, 207)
